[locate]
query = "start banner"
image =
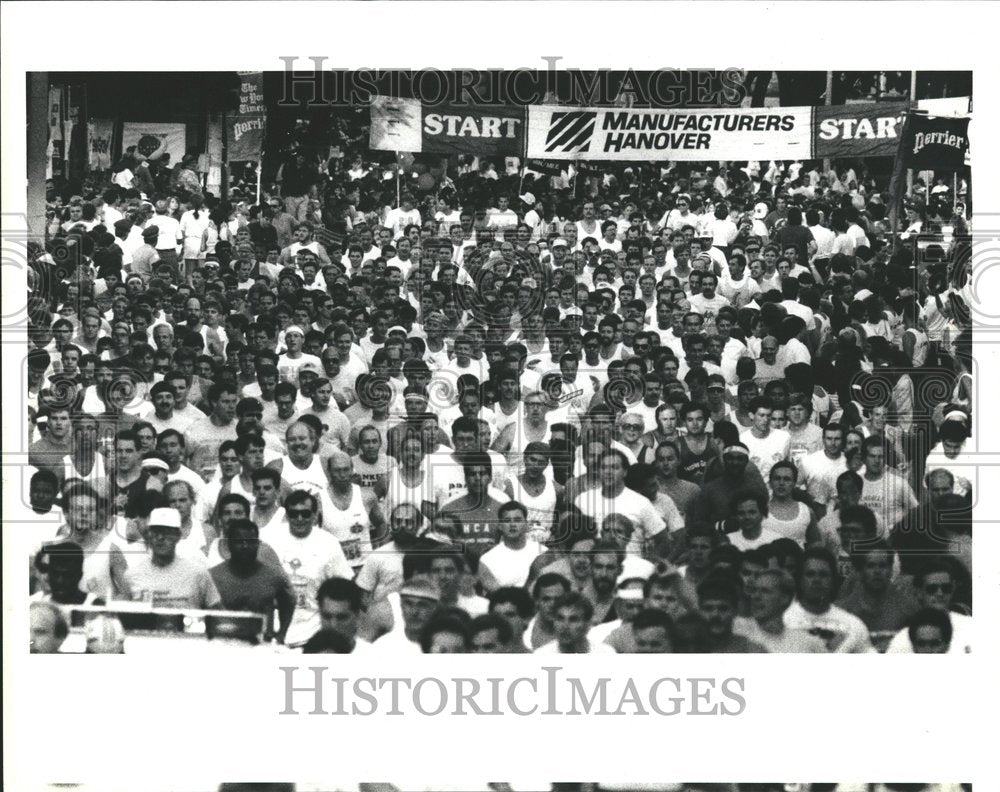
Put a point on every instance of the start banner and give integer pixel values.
(562, 133)
(859, 130)
(408, 125)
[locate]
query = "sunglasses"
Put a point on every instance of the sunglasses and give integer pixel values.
(637, 427)
(938, 588)
(299, 514)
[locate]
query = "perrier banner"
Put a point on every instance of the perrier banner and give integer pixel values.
(246, 127)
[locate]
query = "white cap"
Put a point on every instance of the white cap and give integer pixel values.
(634, 568)
(560, 243)
(165, 518)
(529, 199)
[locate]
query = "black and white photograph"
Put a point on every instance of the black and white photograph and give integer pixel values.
(520, 787)
(395, 363)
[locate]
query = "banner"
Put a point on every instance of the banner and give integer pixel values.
(245, 130)
(155, 140)
(562, 133)
(935, 143)
(858, 130)
(407, 125)
(99, 132)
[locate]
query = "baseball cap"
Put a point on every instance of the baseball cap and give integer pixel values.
(310, 366)
(560, 243)
(165, 518)
(635, 568)
(574, 310)
(604, 208)
(154, 462)
(528, 198)
(421, 588)
(737, 448)
(716, 379)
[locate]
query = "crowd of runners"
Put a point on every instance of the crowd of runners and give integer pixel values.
(714, 408)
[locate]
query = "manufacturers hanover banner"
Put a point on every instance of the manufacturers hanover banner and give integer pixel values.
(686, 135)
(245, 129)
(407, 125)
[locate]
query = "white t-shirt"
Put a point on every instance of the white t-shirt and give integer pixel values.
(552, 647)
(641, 513)
(841, 631)
(818, 474)
(510, 567)
(890, 497)
(961, 637)
(740, 542)
(765, 451)
(308, 562)
(398, 219)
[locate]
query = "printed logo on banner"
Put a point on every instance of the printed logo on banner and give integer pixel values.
(571, 132)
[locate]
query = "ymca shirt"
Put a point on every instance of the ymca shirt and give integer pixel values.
(480, 521)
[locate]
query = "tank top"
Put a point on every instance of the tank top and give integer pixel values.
(503, 420)
(397, 491)
(97, 569)
(541, 508)
(312, 478)
(794, 529)
(920, 345)
(352, 527)
(691, 465)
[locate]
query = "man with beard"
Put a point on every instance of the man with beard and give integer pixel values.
(813, 609)
(162, 578)
(247, 584)
(63, 566)
(382, 571)
(881, 603)
(712, 505)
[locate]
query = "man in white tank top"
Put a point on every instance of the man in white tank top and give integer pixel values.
(355, 513)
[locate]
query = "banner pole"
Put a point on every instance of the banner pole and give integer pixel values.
(398, 169)
(913, 102)
(829, 101)
(260, 170)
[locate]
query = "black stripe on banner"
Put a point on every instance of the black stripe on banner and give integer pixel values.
(581, 121)
(558, 124)
(583, 138)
